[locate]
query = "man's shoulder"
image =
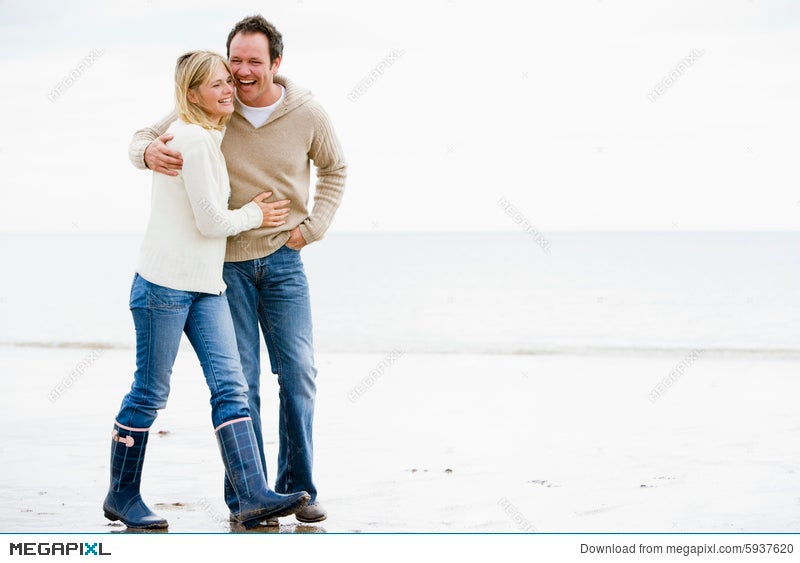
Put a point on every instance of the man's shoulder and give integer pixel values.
(314, 114)
(311, 107)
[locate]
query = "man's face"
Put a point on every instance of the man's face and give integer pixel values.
(252, 69)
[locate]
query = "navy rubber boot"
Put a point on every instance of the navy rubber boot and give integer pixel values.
(237, 444)
(123, 501)
(230, 495)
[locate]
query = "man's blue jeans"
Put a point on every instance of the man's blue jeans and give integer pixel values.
(273, 292)
(161, 315)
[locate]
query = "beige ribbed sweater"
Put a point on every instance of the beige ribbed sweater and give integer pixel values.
(276, 157)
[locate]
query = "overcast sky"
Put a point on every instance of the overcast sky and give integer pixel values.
(552, 107)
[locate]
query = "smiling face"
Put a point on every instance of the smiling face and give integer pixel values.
(215, 95)
(252, 69)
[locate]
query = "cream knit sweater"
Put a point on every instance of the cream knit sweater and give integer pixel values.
(184, 244)
(276, 157)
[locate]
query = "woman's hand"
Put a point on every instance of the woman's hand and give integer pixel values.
(275, 212)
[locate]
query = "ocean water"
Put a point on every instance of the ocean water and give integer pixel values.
(494, 293)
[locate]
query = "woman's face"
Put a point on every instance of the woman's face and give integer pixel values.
(215, 95)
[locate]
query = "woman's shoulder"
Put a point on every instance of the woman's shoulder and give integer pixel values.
(188, 131)
(188, 136)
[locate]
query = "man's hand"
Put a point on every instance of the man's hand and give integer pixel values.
(275, 212)
(296, 240)
(158, 157)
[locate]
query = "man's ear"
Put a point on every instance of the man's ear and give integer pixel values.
(276, 64)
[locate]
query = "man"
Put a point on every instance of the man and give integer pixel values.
(275, 133)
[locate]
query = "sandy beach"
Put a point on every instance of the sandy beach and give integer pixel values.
(433, 443)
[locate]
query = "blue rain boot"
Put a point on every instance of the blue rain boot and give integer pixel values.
(233, 504)
(123, 501)
(230, 496)
(237, 444)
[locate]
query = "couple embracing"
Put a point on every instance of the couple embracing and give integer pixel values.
(220, 259)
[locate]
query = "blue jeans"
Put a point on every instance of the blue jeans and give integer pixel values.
(273, 292)
(161, 315)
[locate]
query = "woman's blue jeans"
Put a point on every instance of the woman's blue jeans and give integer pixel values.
(161, 315)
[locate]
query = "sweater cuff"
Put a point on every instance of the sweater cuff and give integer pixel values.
(306, 232)
(254, 215)
(136, 153)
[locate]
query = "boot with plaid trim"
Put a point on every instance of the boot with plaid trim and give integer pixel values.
(237, 444)
(123, 501)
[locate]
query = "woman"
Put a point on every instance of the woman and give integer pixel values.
(178, 288)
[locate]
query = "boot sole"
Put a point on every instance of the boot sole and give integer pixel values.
(154, 526)
(311, 520)
(285, 511)
(271, 524)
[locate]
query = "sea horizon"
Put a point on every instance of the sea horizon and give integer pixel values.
(512, 293)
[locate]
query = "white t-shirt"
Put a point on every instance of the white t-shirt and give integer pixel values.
(258, 116)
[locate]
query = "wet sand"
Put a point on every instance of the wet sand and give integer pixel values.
(432, 443)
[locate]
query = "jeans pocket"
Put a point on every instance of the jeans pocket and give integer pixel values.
(165, 298)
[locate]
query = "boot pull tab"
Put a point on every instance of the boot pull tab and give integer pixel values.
(127, 440)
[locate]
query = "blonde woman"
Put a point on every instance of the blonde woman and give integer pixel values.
(178, 288)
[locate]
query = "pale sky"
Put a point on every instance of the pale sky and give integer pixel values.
(544, 104)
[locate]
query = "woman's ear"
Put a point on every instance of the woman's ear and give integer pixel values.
(191, 96)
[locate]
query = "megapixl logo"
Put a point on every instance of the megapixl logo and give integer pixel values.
(84, 548)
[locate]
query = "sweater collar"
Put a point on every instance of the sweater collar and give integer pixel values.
(295, 95)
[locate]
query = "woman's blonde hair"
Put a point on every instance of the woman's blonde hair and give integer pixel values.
(191, 70)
